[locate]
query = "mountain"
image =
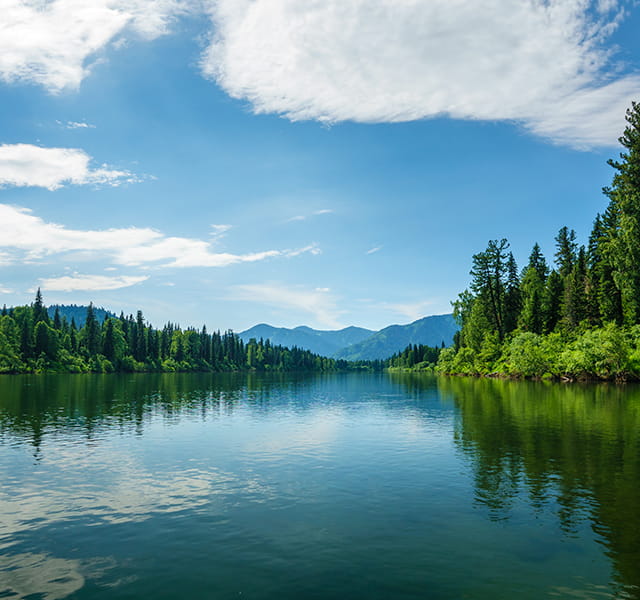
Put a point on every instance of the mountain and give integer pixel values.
(356, 343)
(326, 343)
(79, 313)
(430, 331)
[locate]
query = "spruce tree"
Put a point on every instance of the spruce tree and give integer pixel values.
(552, 301)
(566, 248)
(91, 332)
(623, 240)
(57, 322)
(39, 310)
(533, 290)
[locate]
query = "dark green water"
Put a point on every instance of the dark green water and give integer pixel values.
(347, 486)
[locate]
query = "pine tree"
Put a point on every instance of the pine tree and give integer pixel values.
(91, 332)
(566, 248)
(39, 310)
(57, 323)
(513, 296)
(574, 306)
(109, 345)
(534, 279)
(552, 301)
(623, 241)
(141, 338)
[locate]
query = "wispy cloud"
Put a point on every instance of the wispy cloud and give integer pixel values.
(295, 301)
(322, 211)
(374, 250)
(219, 230)
(411, 310)
(4, 290)
(23, 232)
(75, 125)
(25, 165)
(76, 282)
(544, 64)
(53, 43)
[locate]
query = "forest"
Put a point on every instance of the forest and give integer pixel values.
(32, 342)
(578, 318)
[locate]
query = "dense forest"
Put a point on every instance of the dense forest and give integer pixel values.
(33, 342)
(579, 318)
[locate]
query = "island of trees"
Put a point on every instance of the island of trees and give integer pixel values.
(579, 318)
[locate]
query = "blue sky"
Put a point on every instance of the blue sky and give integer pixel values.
(322, 163)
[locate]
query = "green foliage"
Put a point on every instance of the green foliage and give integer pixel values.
(31, 343)
(582, 319)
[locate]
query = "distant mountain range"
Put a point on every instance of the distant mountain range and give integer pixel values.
(78, 313)
(350, 343)
(356, 343)
(326, 343)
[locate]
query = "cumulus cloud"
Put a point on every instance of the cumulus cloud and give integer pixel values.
(27, 165)
(542, 63)
(23, 232)
(52, 43)
(318, 303)
(76, 282)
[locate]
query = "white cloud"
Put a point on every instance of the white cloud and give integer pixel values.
(411, 310)
(53, 42)
(317, 303)
(542, 63)
(76, 282)
(323, 211)
(4, 290)
(23, 232)
(27, 165)
(76, 125)
(374, 250)
(219, 230)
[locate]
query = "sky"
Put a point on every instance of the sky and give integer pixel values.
(326, 162)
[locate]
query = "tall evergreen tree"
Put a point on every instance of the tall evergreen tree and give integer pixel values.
(534, 279)
(39, 310)
(91, 332)
(566, 248)
(623, 241)
(513, 296)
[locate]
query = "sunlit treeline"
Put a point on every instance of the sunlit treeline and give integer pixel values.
(579, 317)
(31, 342)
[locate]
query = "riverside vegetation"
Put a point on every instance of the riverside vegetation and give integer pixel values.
(579, 320)
(31, 342)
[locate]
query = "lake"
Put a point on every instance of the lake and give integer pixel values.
(377, 486)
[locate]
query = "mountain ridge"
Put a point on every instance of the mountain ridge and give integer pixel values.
(358, 343)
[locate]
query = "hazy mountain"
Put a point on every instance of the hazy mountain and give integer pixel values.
(430, 331)
(326, 343)
(356, 343)
(79, 313)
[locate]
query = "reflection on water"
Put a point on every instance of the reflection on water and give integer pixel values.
(37, 575)
(577, 447)
(378, 486)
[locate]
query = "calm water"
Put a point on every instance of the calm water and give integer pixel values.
(346, 486)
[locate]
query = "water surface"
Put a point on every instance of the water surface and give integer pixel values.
(344, 486)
